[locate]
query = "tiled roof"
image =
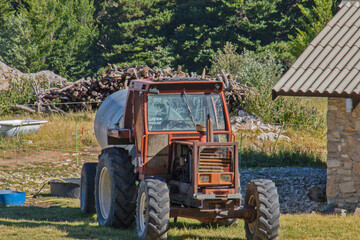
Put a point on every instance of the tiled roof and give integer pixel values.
(330, 65)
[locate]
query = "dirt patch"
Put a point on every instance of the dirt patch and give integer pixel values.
(28, 173)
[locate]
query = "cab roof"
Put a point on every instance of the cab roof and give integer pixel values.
(176, 84)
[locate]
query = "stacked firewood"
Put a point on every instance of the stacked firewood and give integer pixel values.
(91, 92)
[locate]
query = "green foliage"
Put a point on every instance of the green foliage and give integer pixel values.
(314, 21)
(54, 35)
(76, 38)
(199, 28)
(162, 57)
(255, 22)
(254, 70)
(280, 51)
(131, 30)
(262, 71)
(20, 92)
(5, 10)
(284, 109)
(284, 157)
(17, 47)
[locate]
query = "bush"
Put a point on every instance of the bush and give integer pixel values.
(253, 70)
(19, 92)
(262, 71)
(290, 110)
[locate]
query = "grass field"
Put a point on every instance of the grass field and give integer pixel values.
(62, 145)
(60, 218)
(73, 134)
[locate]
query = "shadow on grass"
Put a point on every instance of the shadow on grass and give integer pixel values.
(193, 227)
(66, 219)
(249, 158)
(77, 225)
(194, 236)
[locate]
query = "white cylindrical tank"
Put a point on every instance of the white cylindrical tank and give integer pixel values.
(110, 115)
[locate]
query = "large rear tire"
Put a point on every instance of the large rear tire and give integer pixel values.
(262, 195)
(153, 209)
(115, 189)
(87, 188)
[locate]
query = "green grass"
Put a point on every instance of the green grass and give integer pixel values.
(61, 133)
(285, 157)
(304, 149)
(62, 219)
(27, 161)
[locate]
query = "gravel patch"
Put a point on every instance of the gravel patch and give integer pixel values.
(292, 184)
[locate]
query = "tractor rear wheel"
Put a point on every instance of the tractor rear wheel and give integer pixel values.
(153, 209)
(262, 195)
(87, 188)
(115, 189)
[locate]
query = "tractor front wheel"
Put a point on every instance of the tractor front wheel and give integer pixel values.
(262, 195)
(115, 189)
(153, 209)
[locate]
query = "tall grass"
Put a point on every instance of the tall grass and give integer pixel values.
(62, 132)
(304, 148)
(291, 110)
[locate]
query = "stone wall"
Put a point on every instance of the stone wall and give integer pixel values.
(343, 160)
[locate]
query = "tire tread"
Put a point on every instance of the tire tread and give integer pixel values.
(268, 210)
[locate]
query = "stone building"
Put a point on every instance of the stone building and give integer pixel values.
(330, 67)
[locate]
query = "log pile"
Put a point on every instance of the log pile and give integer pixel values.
(89, 93)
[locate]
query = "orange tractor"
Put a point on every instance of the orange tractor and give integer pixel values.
(168, 152)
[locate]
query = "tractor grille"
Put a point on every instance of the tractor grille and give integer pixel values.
(215, 160)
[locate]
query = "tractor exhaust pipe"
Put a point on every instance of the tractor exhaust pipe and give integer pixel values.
(206, 131)
(209, 130)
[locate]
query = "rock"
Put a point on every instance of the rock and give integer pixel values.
(292, 185)
(332, 163)
(271, 136)
(347, 187)
(316, 194)
(245, 121)
(357, 211)
(340, 212)
(12, 74)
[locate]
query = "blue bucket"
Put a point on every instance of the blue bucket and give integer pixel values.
(9, 197)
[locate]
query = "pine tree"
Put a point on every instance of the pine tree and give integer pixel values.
(52, 34)
(313, 21)
(131, 30)
(198, 29)
(5, 10)
(202, 27)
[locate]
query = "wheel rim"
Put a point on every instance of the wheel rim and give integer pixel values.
(142, 213)
(82, 193)
(252, 226)
(104, 193)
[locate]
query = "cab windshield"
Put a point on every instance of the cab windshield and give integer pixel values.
(181, 112)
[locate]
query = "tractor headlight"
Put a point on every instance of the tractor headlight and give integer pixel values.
(226, 178)
(205, 178)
